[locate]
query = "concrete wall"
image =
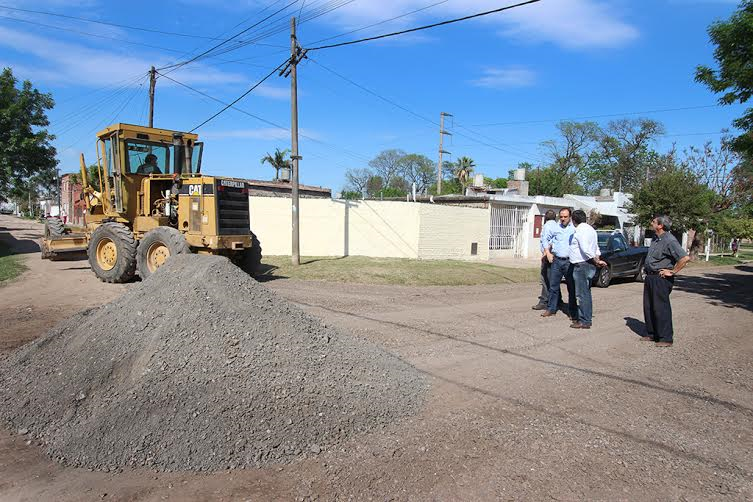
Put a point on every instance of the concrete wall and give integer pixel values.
(447, 232)
(386, 229)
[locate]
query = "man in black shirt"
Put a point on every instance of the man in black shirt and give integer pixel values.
(665, 259)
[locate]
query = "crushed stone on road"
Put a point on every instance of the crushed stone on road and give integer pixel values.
(200, 368)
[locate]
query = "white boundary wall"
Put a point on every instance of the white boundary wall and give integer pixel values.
(387, 229)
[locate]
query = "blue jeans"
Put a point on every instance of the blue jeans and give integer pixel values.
(557, 271)
(583, 274)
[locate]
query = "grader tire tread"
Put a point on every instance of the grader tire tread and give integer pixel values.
(125, 267)
(170, 237)
(54, 227)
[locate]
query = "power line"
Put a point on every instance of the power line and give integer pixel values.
(407, 110)
(426, 27)
(280, 26)
(105, 37)
(381, 22)
(242, 95)
(350, 153)
(178, 65)
(106, 23)
(544, 121)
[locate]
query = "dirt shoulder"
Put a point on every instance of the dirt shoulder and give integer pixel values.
(520, 407)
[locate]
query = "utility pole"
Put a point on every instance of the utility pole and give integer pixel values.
(442, 133)
(294, 57)
(152, 85)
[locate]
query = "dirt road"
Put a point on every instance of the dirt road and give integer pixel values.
(520, 408)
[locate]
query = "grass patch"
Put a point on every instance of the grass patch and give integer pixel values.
(366, 270)
(744, 255)
(11, 265)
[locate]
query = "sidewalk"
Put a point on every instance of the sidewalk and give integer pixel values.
(515, 262)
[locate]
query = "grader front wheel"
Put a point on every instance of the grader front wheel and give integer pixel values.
(157, 246)
(112, 253)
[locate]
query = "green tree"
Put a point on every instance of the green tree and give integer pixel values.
(677, 193)
(734, 75)
(351, 195)
(463, 170)
(551, 182)
(624, 159)
(387, 165)
(495, 182)
(278, 160)
(418, 169)
(374, 186)
(27, 157)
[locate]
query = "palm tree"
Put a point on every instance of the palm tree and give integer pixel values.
(278, 160)
(463, 170)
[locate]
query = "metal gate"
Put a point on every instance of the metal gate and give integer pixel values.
(506, 227)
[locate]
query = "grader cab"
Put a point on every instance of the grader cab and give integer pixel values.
(148, 200)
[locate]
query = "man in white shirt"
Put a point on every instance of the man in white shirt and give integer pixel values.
(584, 258)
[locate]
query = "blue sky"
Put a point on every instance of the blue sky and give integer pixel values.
(524, 68)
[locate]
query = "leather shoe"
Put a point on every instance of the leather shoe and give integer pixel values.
(548, 314)
(539, 306)
(663, 344)
(580, 325)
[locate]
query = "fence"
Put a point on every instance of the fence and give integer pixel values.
(506, 227)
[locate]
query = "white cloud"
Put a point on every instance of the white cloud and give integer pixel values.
(502, 78)
(77, 65)
(573, 24)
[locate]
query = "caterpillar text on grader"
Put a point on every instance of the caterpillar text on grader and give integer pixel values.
(150, 201)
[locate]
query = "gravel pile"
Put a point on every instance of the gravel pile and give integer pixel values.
(201, 368)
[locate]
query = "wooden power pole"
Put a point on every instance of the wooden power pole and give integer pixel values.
(152, 85)
(296, 254)
(442, 133)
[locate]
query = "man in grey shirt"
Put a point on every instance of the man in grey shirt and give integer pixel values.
(665, 259)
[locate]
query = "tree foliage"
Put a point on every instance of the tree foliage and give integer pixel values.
(733, 78)
(418, 169)
(677, 193)
(27, 157)
(277, 160)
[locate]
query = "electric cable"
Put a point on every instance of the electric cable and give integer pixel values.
(379, 23)
(242, 95)
(350, 153)
(426, 27)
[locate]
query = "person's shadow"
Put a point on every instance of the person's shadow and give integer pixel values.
(636, 326)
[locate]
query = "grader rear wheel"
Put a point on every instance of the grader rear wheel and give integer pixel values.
(53, 227)
(112, 253)
(156, 247)
(250, 261)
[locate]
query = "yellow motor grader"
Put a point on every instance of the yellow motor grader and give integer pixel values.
(150, 201)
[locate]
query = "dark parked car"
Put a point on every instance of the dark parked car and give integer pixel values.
(622, 260)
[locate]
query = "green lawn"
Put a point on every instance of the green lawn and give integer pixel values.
(11, 265)
(744, 255)
(365, 270)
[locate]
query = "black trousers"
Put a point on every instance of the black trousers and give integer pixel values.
(657, 311)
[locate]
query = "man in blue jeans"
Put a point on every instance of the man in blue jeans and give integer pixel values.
(584, 259)
(557, 253)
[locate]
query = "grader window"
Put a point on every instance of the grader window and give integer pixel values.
(147, 158)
